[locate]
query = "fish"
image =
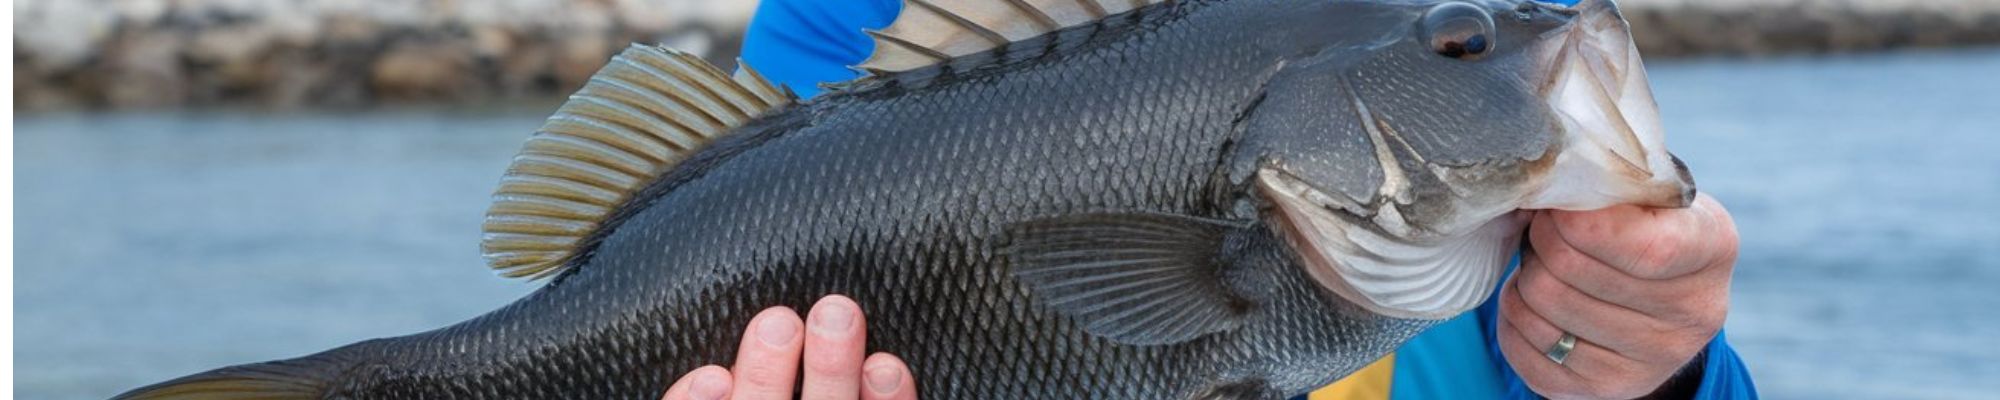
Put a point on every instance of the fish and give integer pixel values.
(1043, 199)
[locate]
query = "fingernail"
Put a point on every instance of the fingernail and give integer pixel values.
(833, 319)
(709, 387)
(776, 331)
(884, 380)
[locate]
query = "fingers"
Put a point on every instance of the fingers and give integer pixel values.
(835, 336)
(1642, 290)
(1652, 243)
(888, 378)
(767, 362)
(1632, 333)
(1577, 269)
(1661, 299)
(1528, 358)
(829, 344)
(705, 383)
(1547, 299)
(1589, 371)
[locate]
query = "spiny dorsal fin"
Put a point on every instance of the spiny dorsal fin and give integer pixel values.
(647, 110)
(932, 31)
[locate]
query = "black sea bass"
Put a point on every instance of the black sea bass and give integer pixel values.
(1058, 199)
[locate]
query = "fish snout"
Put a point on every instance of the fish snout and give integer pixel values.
(1673, 193)
(1612, 147)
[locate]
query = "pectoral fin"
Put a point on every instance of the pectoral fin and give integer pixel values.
(1135, 278)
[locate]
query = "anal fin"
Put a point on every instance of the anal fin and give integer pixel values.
(1135, 278)
(305, 378)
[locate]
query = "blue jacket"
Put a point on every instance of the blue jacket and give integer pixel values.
(801, 43)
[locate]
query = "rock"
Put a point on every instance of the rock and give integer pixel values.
(423, 70)
(60, 35)
(527, 70)
(230, 44)
(578, 57)
(142, 70)
(492, 42)
(349, 29)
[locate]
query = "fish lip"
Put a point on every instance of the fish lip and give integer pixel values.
(1611, 145)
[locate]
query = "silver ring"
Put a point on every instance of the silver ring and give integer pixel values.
(1560, 351)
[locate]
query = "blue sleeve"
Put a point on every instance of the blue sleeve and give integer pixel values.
(801, 43)
(1723, 376)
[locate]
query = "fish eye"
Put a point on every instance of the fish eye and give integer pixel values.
(1457, 30)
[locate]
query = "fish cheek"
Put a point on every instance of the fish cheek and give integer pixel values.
(1474, 129)
(1308, 126)
(1458, 116)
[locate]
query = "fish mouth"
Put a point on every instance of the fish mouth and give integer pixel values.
(1613, 145)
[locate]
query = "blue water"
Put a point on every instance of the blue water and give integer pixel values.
(151, 245)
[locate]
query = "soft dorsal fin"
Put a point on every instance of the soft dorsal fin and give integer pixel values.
(644, 112)
(932, 31)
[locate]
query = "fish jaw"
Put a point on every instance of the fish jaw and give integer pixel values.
(1613, 145)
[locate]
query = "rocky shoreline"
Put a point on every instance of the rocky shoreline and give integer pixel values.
(1670, 28)
(343, 53)
(339, 53)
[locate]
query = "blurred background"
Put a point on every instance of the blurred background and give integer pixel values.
(211, 182)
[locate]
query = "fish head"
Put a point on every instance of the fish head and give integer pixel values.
(1457, 112)
(1398, 165)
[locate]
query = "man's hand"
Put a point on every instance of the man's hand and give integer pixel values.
(1643, 290)
(767, 361)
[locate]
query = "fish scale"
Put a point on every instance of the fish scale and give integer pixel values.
(1135, 206)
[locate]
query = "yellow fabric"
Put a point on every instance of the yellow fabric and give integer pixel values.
(1370, 383)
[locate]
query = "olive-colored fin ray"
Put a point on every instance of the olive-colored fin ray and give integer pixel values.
(1135, 278)
(648, 109)
(277, 380)
(933, 31)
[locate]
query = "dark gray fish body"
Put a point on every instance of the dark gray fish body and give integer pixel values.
(979, 213)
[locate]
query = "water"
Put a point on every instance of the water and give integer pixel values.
(155, 245)
(1867, 192)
